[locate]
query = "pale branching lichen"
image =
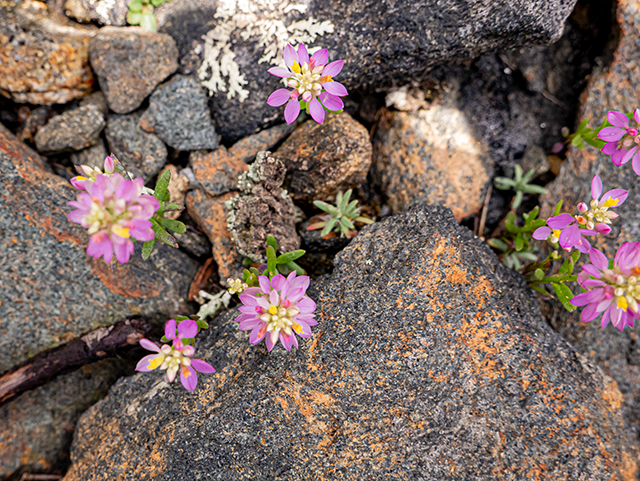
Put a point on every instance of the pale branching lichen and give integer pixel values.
(260, 19)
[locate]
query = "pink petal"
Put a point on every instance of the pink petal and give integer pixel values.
(265, 285)
(287, 341)
(335, 88)
(248, 299)
(255, 336)
(609, 134)
(187, 329)
(331, 102)
(76, 216)
(280, 72)
(170, 329)
(249, 324)
(290, 56)
(636, 163)
(202, 366)
(541, 233)
(188, 350)
(123, 251)
(617, 156)
(303, 55)
(589, 313)
(610, 147)
(619, 194)
(618, 119)
(316, 111)
(279, 97)
(334, 68)
(583, 246)
(628, 155)
(596, 187)
(598, 259)
(277, 282)
(560, 221)
(636, 115)
(274, 298)
(268, 342)
(570, 236)
(143, 364)
(148, 345)
(321, 56)
(306, 305)
(291, 111)
(191, 381)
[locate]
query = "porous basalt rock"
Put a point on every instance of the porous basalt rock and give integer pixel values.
(323, 159)
(143, 60)
(430, 361)
(44, 57)
(73, 130)
(261, 209)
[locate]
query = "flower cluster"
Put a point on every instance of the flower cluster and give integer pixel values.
(312, 82)
(277, 310)
(613, 292)
(91, 173)
(114, 210)
(177, 356)
(622, 140)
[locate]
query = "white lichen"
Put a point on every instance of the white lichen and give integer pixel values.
(260, 19)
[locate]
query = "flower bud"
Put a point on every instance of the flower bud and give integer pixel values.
(582, 207)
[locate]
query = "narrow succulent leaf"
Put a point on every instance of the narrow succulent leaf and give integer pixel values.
(271, 259)
(564, 295)
(247, 261)
(534, 189)
(529, 256)
(317, 225)
(147, 248)
(517, 200)
(295, 267)
(162, 235)
(325, 207)
(557, 209)
(271, 241)
(173, 225)
(364, 220)
(345, 200)
(518, 173)
(327, 228)
(504, 180)
(519, 242)
(290, 256)
(498, 244)
(160, 192)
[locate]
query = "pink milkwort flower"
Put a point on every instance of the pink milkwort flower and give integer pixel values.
(622, 141)
(176, 357)
(564, 228)
(91, 173)
(277, 309)
(114, 210)
(614, 293)
(312, 82)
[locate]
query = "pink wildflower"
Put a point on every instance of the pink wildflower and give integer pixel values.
(114, 210)
(615, 292)
(564, 228)
(91, 173)
(176, 357)
(277, 309)
(312, 82)
(622, 141)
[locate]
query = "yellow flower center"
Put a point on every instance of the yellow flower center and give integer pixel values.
(622, 303)
(273, 310)
(120, 231)
(610, 203)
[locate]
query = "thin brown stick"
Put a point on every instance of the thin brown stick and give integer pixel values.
(485, 208)
(89, 348)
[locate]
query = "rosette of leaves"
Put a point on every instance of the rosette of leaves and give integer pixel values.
(276, 264)
(201, 325)
(141, 13)
(161, 224)
(585, 135)
(340, 217)
(519, 183)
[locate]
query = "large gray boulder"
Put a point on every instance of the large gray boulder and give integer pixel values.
(430, 361)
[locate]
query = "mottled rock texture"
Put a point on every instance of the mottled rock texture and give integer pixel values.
(247, 148)
(322, 159)
(93, 156)
(50, 289)
(179, 115)
(44, 57)
(430, 361)
(433, 155)
(105, 12)
(142, 153)
(393, 42)
(129, 63)
(615, 88)
(73, 130)
(218, 171)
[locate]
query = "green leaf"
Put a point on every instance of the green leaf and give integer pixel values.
(538, 274)
(558, 208)
(582, 127)
(577, 141)
(202, 325)
(247, 262)
(347, 223)
(517, 200)
(295, 267)
(164, 339)
(157, 3)
(504, 180)
(594, 141)
(162, 235)
(364, 220)
(327, 228)
(135, 6)
(148, 22)
(498, 244)
(519, 242)
(147, 248)
(133, 18)
(181, 318)
(271, 241)
(290, 256)
(529, 256)
(167, 206)
(345, 200)
(528, 176)
(569, 264)
(518, 173)
(271, 259)
(534, 189)
(160, 192)
(326, 207)
(564, 295)
(510, 222)
(174, 225)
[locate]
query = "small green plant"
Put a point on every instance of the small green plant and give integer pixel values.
(519, 183)
(141, 13)
(340, 217)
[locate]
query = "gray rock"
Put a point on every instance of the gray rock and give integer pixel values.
(142, 153)
(75, 129)
(93, 156)
(393, 43)
(50, 289)
(430, 361)
(179, 114)
(105, 12)
(99, 100)
(37, 427)
(143, 60)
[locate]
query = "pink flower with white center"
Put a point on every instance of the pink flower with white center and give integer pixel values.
(278, 309)
(597, 216)
(564, 228)
(622, 140)
(176, 357)
(114, 210)
(91, 173)
(613, 293)
(312, 82)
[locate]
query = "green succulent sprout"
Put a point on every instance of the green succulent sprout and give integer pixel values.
(340, 217)
(519, 183)
(141, 13)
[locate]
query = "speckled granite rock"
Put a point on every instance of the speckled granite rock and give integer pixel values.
(75, 129)
(179, 115)
(93, 156)
(36, 428)
(430, 361)
(142, 153)
(434, 155)
(322, 159)
(394, 42)
(50, 289)
(144, 59)
(44, 57)
(616, 88)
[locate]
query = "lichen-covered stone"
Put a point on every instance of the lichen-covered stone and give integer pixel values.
(130, 62)
(616, 87)
(322, 159)
(44, 57)
(73, 130)
(179, 115)
(430, 361)
(105, 12)
(142, 153)
(433, 155)
(218, 171)
(50, 289)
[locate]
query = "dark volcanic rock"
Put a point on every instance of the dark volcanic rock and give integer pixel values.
(393, 42)
(93, 156)
(217, 171)
(143, 154)
(75, 129)
(616, 88)
(430, 361)
(50, 289)
(179, 114)
(44, 57)
(322, 159)
(130, 62)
